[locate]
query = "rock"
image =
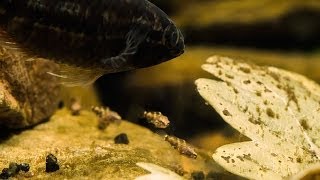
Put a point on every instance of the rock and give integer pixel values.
(197, 175)
(52, 164)
(121, 139)
(85, 152)
(28, 95)
(24, 167)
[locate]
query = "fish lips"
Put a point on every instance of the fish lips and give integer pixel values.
(153, 55)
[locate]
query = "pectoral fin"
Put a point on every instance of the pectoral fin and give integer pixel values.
(76, 76)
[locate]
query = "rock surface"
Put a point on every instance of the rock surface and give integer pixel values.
(84, 152)
(28, 95)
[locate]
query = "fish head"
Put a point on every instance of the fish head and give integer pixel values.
(162, 43)
(172, 40)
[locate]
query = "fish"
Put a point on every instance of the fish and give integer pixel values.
(157, 119)
(89, 38)
(106, 116)
(182, 146)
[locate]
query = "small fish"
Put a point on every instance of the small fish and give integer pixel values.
(182, 146)
(75, 107)
(157, 119)
(106, 116)
(89, 38)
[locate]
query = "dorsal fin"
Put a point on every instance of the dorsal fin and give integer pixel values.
(76, 76)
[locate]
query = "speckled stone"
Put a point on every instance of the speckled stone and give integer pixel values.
(28, 94)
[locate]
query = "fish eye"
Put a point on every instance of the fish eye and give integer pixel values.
(170, 36)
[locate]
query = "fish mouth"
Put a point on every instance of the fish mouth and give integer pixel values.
(177, 53)
(180, 48)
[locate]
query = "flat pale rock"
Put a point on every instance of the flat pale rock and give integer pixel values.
(85, 152)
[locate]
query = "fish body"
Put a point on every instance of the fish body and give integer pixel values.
(106, 116)
(96, 36)
(157, 119)
(182, 146)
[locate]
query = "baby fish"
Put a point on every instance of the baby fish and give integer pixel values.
(75, 107)
(106, 116)
(89, 38)
(157, 119)
(182, 146)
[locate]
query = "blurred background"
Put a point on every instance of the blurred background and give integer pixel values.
(280, 33)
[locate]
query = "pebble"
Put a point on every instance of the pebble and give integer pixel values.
(52, 163)
(197, 175)
(121, 139)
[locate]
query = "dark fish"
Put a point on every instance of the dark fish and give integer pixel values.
(89, 38)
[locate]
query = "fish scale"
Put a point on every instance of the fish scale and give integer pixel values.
(97, 36)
